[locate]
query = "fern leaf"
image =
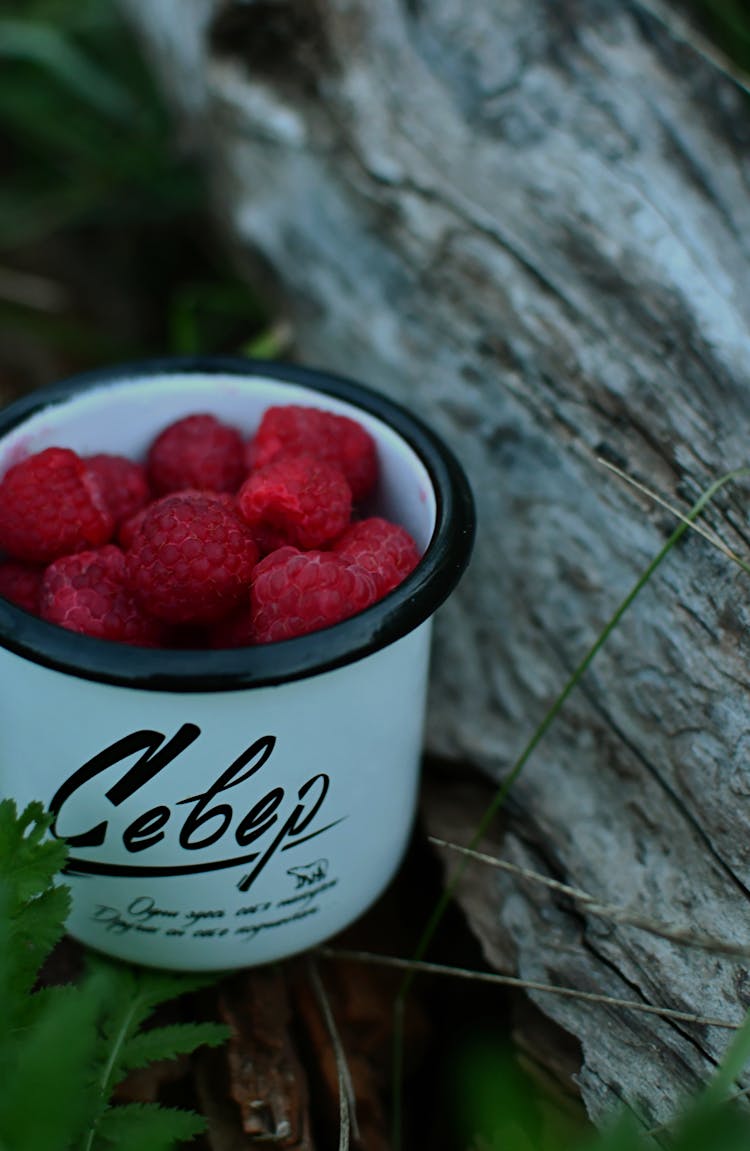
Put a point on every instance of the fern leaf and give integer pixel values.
(34, 931)
(45, 1100)
(25, 855)
(145, 1126)
(155, 987)
(133, 995)
(170, 1041)
(63, 1049)
(149, 986)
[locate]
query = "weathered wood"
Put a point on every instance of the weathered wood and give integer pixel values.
(266, 1078)
(531, 222)
(361, 1003)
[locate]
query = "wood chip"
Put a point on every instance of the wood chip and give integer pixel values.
(266, 1079)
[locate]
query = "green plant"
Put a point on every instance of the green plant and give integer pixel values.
(502, 1109)
(727, 23)
(705, 1122)
(105, 247)
(63, 1049)
(87, 139)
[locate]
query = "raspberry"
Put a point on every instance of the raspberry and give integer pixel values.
(191, 559)
(235, 631)
(197, 452)
(123, 483)
(336, 439)
(21, 584)
(88, 593)
(51, 505)
(293, 593)
(295, 500)
(384, 549)
(185, 637)
(129, 528)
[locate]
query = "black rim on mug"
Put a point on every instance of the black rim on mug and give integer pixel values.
(399, 613)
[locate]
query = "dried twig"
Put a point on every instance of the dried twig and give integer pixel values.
(525, 984)
(347, 1102)
(265, 1079)
(615, 914)
(32, 291)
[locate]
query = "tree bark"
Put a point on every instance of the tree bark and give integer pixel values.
(530, 222)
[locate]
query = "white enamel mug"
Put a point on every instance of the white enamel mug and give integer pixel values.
(227, 808)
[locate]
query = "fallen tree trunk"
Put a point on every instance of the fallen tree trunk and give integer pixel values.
(531, 223)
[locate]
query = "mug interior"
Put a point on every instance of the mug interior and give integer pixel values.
(121, 410)
(125, 417)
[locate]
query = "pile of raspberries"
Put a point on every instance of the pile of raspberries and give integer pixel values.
(211, 542)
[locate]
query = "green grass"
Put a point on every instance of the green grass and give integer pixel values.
(626, 1137)
(107, 250)
(727, 23)
(86, 137)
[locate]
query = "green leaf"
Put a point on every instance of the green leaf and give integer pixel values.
(732, 1065)
(170, 1041)
(35, 932)
(32, 910)
(267, 345)
(25, 856)
(12, 1000)
(146, 1127)
(63, 1049)
(52, 49)
(203, 316)
(621, 1135)
(132, 995)
(710, 1120)
(151, 986)
(45, 1097)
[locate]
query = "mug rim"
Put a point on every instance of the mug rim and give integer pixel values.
(265, 665)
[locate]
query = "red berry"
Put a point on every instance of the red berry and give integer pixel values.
(21, 584)
(384, 549)
(129, 528)
(295, 500)
(51, 505)
(185, 637)
(295, 592)
(235, 631)
(123, 483)
(293, 429)
(197, 452)
(88, 593)
(191, 559)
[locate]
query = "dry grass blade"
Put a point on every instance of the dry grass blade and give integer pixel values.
(611, 912)
(347, 1104)
(525, 984)
(692, 524)
(32, 291)
(527, 752)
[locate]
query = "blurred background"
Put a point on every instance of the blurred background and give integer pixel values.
(108, 252)
(107, 247)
